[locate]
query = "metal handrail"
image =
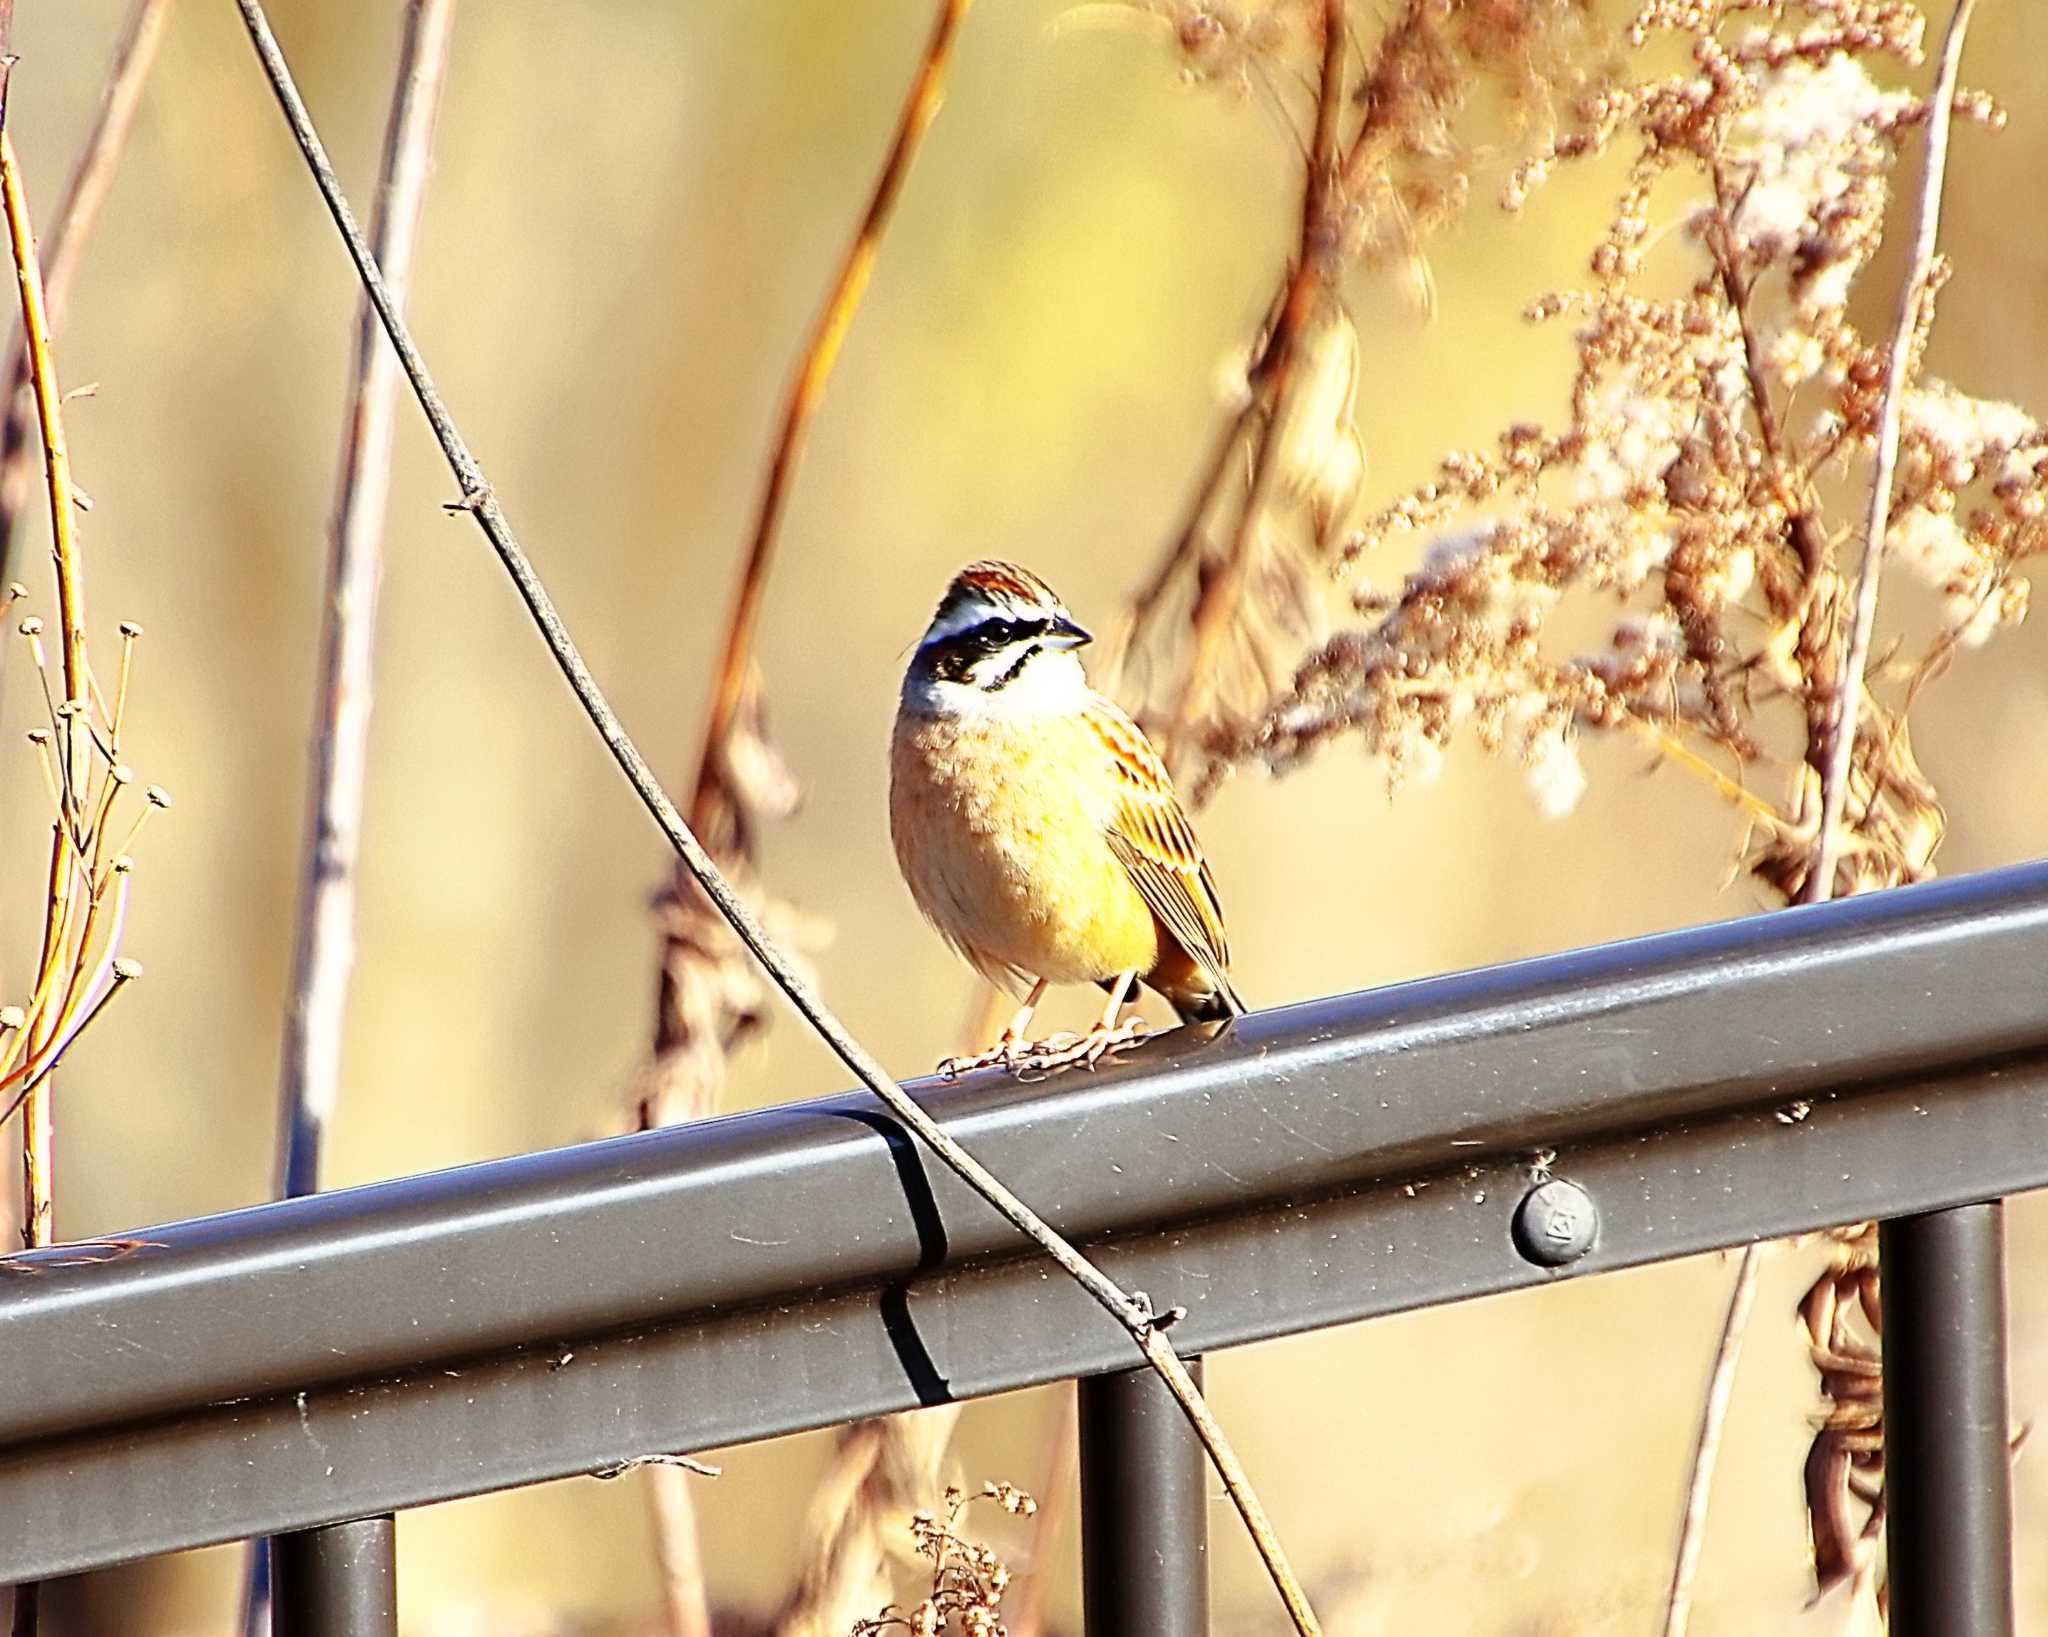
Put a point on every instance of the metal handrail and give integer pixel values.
(340, 1356)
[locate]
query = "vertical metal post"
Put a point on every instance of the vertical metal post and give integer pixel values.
(1144, 1510)
(337, 1581)
(1948, 1472)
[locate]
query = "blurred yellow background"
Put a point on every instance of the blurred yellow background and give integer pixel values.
(635, 210)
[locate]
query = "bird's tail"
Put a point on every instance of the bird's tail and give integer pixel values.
(1215, 1006)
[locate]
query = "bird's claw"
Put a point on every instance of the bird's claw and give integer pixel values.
(1037, 1058)
(1005, 1053)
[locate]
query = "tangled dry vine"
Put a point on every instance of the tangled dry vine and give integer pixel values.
(1137, 1316)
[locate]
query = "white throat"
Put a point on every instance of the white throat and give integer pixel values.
(1052, 683)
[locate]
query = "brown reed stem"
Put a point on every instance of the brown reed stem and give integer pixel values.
(1905, 329)
(1137, 1316)
(685, 1595)
(1706, 1452)
(1218, 599)
(920, 107)
(714, 814)
(1055, 1491)
(38, 1135)
(63, 246)
(38, 1197)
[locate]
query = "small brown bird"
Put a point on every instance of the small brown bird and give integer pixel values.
(1037, 827)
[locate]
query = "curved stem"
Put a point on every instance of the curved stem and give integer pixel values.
(1135, 1315)
(1905, 330)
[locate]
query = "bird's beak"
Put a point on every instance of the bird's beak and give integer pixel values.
(1066, 634)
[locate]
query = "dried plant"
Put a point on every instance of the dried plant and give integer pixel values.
(711, 999)
(1721, 402)
(1844, 1477)
(1216, 627)
(98, 811)
(884, 1474)
(967, 1580)
(62, 249)
(96, 816)
(1726, 421)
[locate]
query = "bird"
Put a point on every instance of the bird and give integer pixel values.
(1038, 829)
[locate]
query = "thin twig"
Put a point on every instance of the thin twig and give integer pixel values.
(38, 1202)
(1919, 266)
(63, 246)
(1055, 1497)
(678, 1548)
(1135, 1314)
(1820, 881)
(38, 1135)
(720, 813)
(1219, 598)
(323, 952)
(1706, 1452)
(920, 107)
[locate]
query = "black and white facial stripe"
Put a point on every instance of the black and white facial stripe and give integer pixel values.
(991, 653)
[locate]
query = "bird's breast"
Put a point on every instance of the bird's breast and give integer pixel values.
(1001, 834)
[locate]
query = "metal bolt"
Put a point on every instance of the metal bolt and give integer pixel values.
(1556, 1223)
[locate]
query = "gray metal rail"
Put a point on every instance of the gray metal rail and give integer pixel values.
(341, 1356)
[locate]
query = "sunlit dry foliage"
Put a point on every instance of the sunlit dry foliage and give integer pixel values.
(967, 1580)
(1402, 117)
(1845, 1466)
(97, 810)
(712, 997)
(1723, 411)
(1671, 562)
(883, 1474)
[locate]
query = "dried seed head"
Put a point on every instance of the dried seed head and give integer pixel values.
(121, 773)
(31, 627)
(126, 970)
(123, 864)
(130, 629)
(38, 736)
(157, 796)
(12, 1017)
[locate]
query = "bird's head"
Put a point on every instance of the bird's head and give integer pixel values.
(1001, 644)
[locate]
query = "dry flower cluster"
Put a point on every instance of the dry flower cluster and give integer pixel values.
(1675, 562)
(967, 1579)
(1723, 404)
(97, 813)
(1396, 140)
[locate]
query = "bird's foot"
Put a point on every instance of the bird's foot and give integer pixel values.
(1066, 1051)
(1006, 1053)
(1036, 1058)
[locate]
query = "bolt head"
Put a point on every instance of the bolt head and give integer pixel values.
(1556, 1223)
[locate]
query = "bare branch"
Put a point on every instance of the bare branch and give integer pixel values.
(1134, 1314)
(1905, 328)
(1218, 599)
(701, 1015)
(920, 107)
(63, 246)
(38, 1160)
(1707, 1449)
(324, 952)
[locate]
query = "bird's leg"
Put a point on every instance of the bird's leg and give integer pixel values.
(1106, 1036)
(1005, 1051)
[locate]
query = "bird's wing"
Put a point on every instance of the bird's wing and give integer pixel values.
(1150, 834)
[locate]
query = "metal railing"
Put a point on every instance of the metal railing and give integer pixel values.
(303, 1365)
